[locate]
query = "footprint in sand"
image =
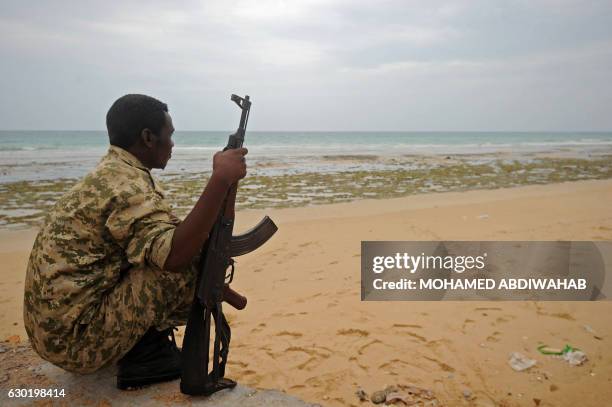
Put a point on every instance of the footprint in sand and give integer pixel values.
(401, 330)
(442, 365)
(494, 337)
(503, 319)
(248, 376)
(328, 383)
(362, 349)
(314, 356)
(392, 365)
(352, 332)
(406, 326)
(308, 364)
(287, 333)
(485, 314)
(562, 315)
(438, 343)
(466, 324)
(354, 360)
(258, 328)
(413, 335)
(237, 363)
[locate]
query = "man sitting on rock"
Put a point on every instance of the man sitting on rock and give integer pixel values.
(112, 270)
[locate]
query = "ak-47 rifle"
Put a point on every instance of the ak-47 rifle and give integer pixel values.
(213, 287)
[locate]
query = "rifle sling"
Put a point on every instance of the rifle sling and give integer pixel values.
(199, 381)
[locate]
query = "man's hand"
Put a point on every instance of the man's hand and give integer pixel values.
(230, 165)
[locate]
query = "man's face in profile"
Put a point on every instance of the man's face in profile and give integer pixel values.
(162, 150)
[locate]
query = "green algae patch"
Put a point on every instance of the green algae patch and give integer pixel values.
(25, 203)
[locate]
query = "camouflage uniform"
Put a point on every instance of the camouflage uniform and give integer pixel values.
(94, 282)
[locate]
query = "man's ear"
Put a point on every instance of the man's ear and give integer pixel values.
(146, 136)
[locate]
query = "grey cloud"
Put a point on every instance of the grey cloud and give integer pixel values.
(312, 64)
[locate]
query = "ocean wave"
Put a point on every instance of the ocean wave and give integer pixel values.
(26, 148)
(353, 148)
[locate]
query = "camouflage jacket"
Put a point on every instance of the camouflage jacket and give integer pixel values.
(113, 219)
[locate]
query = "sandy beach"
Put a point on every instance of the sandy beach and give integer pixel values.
(306, 332)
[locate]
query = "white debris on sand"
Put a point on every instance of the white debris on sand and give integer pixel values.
(520, 362)
(575, 357)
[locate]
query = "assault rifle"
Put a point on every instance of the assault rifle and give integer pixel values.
(213, 287)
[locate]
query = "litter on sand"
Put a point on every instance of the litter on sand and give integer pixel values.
(405, 394)
(520, 362)
(575, 358)
(571, 355)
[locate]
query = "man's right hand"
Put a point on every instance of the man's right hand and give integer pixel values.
(230, 165)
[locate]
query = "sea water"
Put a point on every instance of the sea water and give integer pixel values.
(48, 155)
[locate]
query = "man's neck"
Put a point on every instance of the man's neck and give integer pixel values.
(137, 152)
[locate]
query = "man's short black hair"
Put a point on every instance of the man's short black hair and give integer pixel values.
(130, 115)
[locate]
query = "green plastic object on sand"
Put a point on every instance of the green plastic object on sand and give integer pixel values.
(546, 350)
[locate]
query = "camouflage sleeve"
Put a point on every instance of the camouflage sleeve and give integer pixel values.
(144, 229)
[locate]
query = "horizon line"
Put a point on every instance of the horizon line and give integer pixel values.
(346, 131)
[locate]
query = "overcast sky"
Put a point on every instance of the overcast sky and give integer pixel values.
(311, 65)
